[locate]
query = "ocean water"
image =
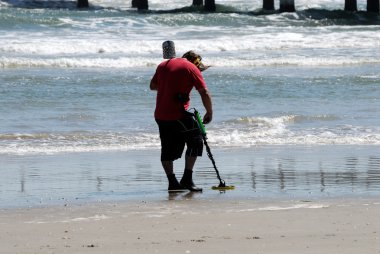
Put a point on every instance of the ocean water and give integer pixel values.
(74, 83)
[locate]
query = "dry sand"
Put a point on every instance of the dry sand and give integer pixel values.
(195, 226)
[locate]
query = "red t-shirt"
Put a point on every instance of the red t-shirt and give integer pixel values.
(173, 77)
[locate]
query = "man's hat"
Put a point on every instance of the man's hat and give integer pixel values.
(195, 59)
(168, 49)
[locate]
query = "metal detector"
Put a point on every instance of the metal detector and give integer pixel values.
(222, 184)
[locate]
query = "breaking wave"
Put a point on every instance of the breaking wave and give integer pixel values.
(241, 132)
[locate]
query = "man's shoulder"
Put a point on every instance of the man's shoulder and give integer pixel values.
(180, 61)
(173, 61)
(178, 64)
(186, 64)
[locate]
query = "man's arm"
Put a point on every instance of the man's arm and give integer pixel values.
(207, 103)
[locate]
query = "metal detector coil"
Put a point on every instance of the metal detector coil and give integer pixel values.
(230, 187)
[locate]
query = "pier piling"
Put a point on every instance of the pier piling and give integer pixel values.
(373, 6)
(82, 4)
(210, 5)
(198, 2)
(350, 5)
(140, 4)
(268, 5)
(287, 6)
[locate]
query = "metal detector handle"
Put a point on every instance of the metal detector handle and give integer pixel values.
(201, 125)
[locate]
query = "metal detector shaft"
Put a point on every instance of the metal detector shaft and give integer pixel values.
(208, 150)
(209, 154)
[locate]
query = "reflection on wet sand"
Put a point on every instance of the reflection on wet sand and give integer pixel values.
(182, 195)
(286, 175)
(349, 177)
(137, 175)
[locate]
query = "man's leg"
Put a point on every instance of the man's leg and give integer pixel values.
(190, 162)
(194, 144)
(168, 167)
(174, 185)
(187, 179)
(170, 148)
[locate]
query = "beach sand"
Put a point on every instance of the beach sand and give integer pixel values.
(186, 225)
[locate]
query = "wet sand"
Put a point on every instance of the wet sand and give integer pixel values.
(288, 172)
(195, 226)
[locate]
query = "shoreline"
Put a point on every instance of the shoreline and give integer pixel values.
(194, 226)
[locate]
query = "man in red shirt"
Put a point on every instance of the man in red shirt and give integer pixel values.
(174, 79)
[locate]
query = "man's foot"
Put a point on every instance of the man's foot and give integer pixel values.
(178, 188)
(187, 181)
(174, 185)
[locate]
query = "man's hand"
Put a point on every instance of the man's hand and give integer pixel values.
(207, 118)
